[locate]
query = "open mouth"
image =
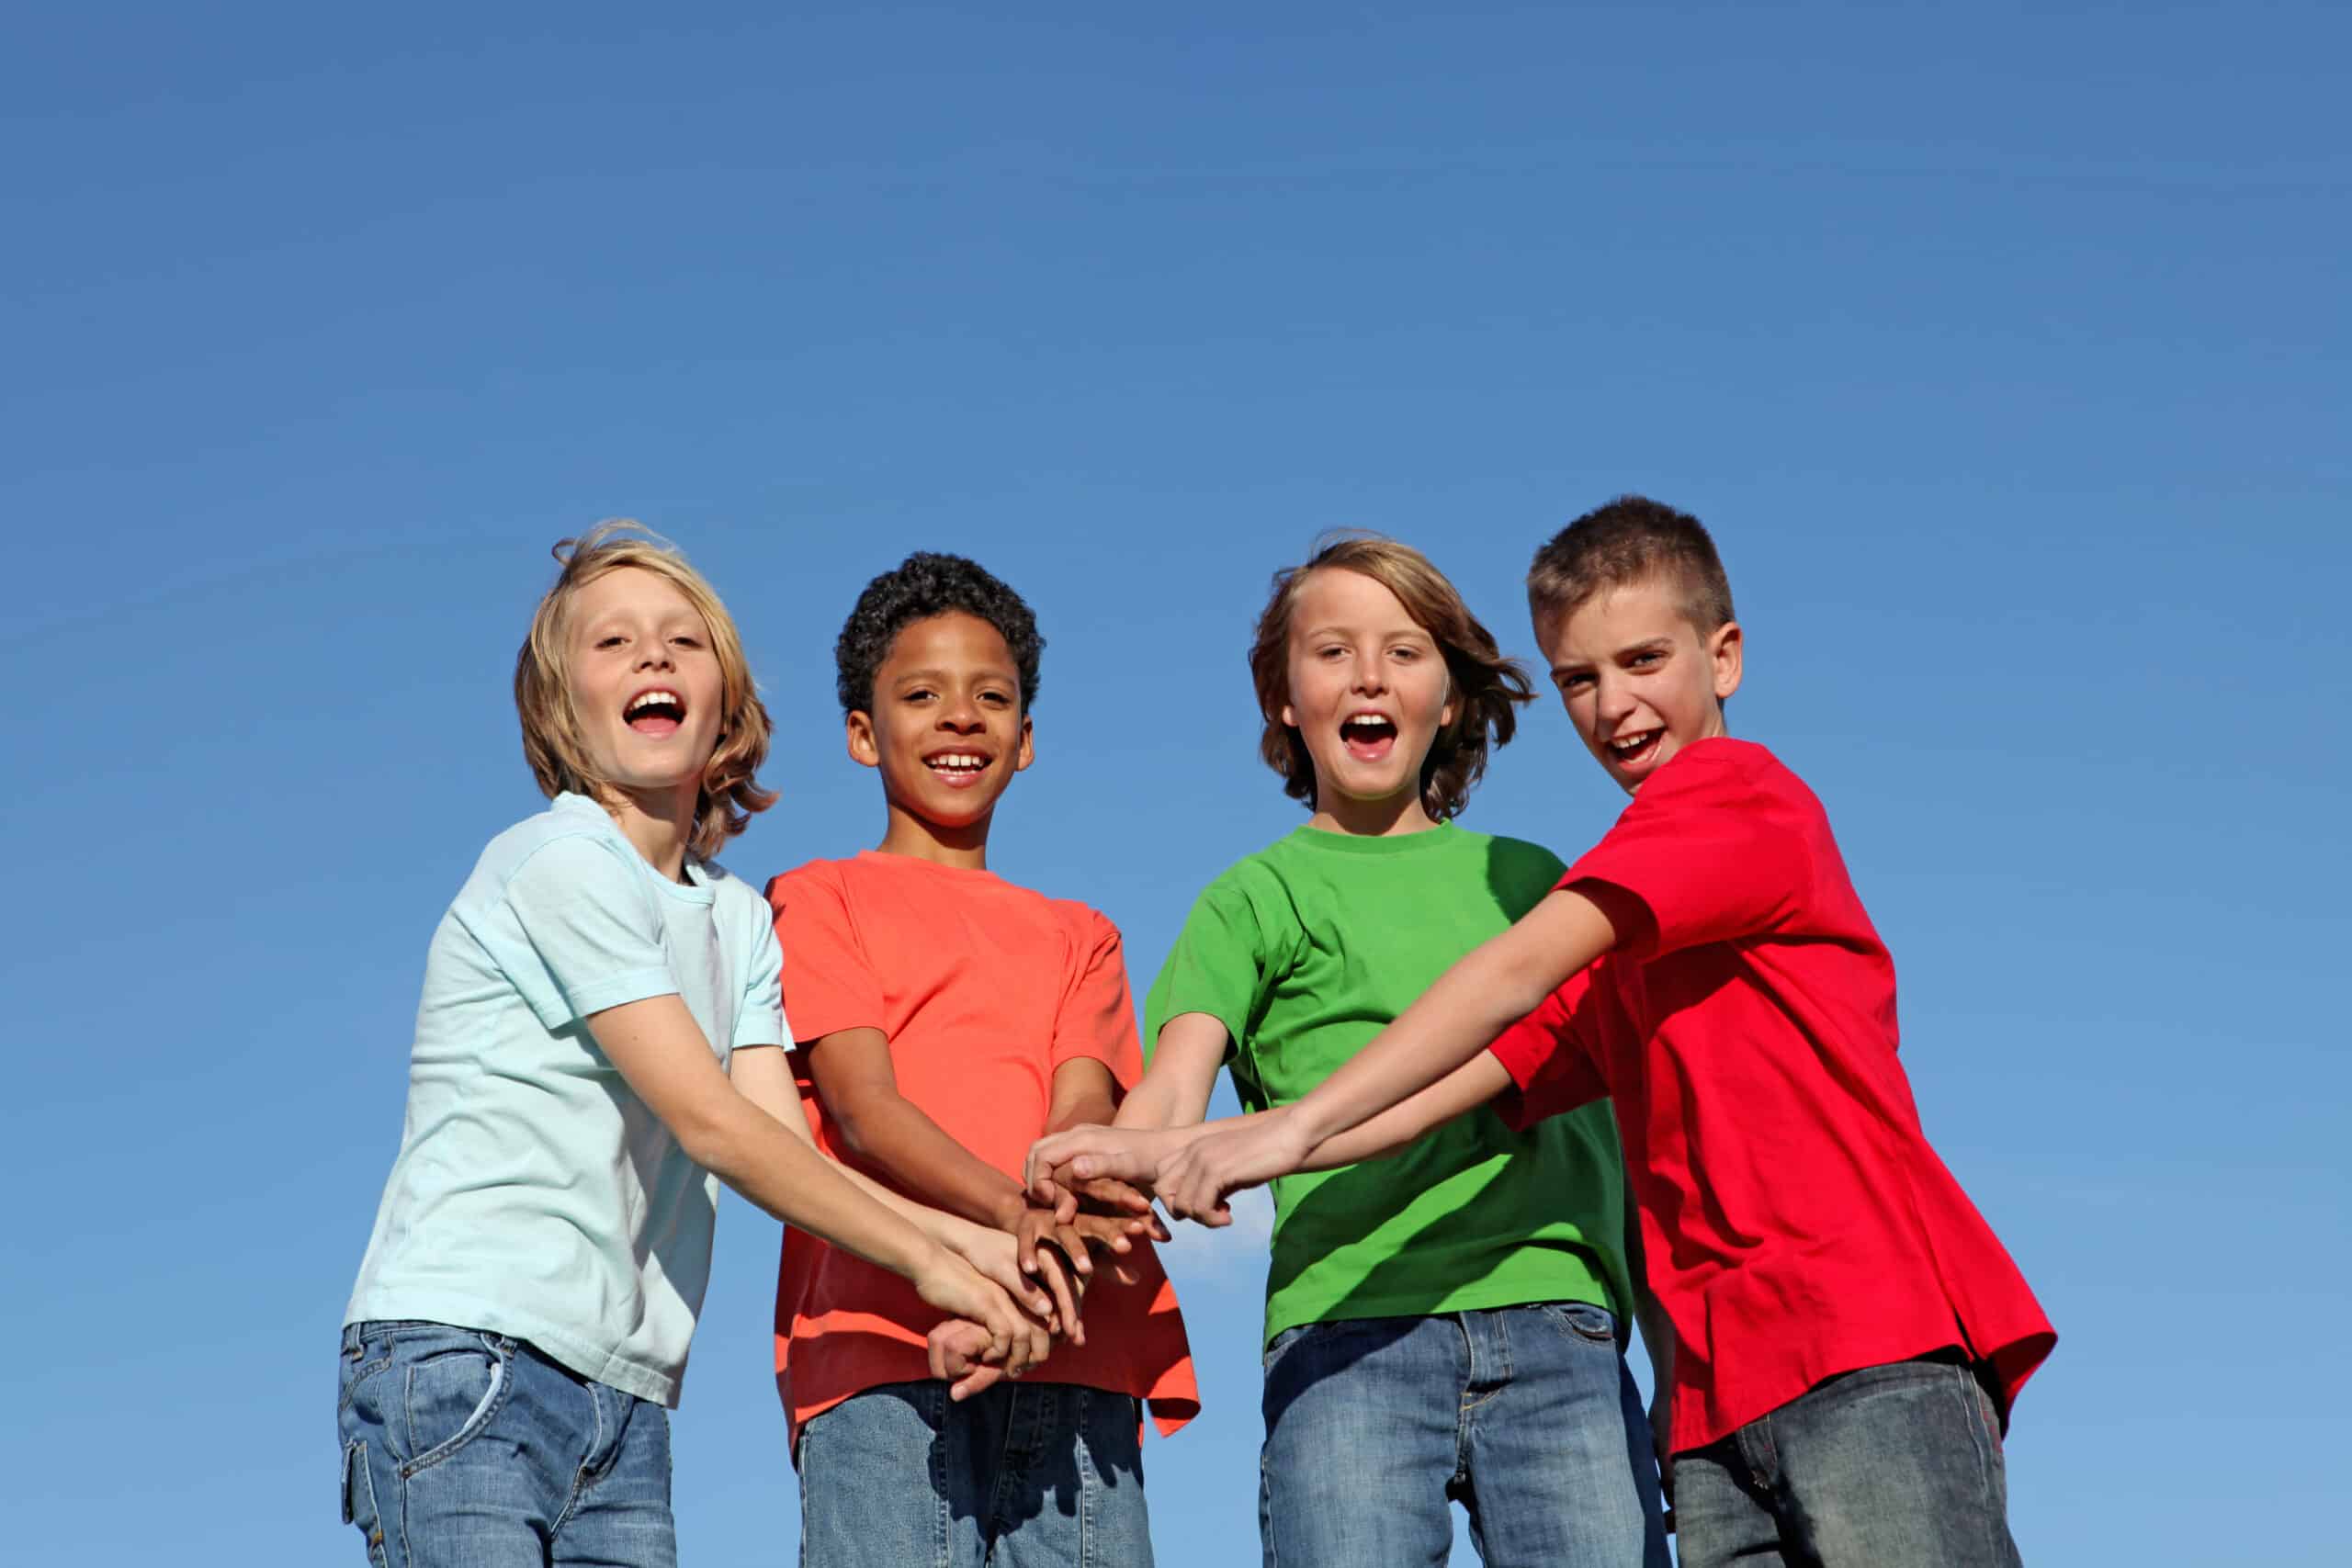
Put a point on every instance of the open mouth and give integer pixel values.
(957, 769)
(657, 712)
(1636, 746)
(1369, 737)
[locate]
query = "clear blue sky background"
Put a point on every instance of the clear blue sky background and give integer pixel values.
(2004, 348)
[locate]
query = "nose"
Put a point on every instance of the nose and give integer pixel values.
(653, 653)
(1612, 700)
(960, 715)
(1371, 673)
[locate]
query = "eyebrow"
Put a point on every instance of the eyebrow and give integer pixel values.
(1648, 645)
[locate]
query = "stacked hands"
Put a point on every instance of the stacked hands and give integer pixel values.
(1041, 1257)
(1091, 1187)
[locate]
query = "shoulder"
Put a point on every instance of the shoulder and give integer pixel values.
(1521, 872)
(571, 838)
(811, 877)
(1746, 769)
(732, 897)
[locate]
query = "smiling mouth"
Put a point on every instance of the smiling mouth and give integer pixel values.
(957, 768)
(1369, 737)
(656, 712)
(1633, 747)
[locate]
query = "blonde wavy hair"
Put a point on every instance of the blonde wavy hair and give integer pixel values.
(552, 743)
(1487, 687)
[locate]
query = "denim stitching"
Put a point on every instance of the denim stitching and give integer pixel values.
(1089, 1478)
(356, 1471)
(485, 1410)
(935, 1408)
(1971, 1403)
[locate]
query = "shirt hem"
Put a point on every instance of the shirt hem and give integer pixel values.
(556, 1342)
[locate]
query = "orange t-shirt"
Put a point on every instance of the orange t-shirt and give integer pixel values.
(983, 989)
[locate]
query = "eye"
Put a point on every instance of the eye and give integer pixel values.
(687, 640)
(1645, 658)
(610, 639)
(995, 699)
(1573, 682)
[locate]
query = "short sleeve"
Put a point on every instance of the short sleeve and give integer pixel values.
(576, 929)
(1710, 851)
(828, 984)
(1217, 966)
(1552, 1054)
(759, 1018)
(1097, 1016)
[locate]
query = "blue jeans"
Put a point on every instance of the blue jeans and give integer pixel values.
(1526, 1415)
(463, 1448)
(1024, 1475)
(1890, 1467)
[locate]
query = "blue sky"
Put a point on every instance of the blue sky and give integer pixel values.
(2003, 347)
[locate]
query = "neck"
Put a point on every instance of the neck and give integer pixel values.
(1335, 813)
(966, 847)
(658, 823)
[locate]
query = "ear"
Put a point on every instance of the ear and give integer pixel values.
(1028, 752)
(1290, 719)
(1723, 654)
(858, 732)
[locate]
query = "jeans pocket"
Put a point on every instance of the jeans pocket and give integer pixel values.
(359, 1499)
(450, 1395)
(1284, 1341)
(1581, 1320)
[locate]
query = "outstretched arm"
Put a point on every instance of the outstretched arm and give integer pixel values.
(1155, 1117)
(1455, 1020)
(762, 1074)
(660, 1051)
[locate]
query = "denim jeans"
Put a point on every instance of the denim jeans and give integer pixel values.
(469, 1449)
(1023, 1475)
(1527, 1415)
(1890, 1467)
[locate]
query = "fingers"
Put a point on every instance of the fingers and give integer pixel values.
(975, 1381)
(1064, 1206)
(1065, 1298)
(1113, 1194)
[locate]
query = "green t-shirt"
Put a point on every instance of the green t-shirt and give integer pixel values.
(1306, 950)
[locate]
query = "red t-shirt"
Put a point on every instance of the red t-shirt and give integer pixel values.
(983, 989)
(1797, 1224)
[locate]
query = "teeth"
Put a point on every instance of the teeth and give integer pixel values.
(958, 760)
(1631, 742)
(647, 699)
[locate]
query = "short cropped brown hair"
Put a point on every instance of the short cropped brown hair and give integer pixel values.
(1631, 539)
(551, 738)
(1487, 687)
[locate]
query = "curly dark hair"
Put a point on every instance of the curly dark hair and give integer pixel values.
(926, 584)
(1487, 687)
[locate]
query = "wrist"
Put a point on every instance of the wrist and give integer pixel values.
(1006, 1210)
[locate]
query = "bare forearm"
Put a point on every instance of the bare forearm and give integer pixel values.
(1469, 1086)
(908, 1150)
(745, 1148)
(1498, 984)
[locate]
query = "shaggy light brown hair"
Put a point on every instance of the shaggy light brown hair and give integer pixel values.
(551, 733)
(1486, 688)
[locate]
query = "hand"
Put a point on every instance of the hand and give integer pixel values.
(996, 1255)
(956, 1349)
(1129, 1154)
(1050, 1247)
(946, 1281)
(1194, 1181)
(1104, 1194)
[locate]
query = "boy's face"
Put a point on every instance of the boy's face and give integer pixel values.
(644, 680)
(1368, 688)
(946, 728)
(1636, 677)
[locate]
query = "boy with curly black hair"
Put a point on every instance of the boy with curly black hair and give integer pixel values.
(945, 1019)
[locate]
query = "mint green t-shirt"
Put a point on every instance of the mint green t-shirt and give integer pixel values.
(1306, 950)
